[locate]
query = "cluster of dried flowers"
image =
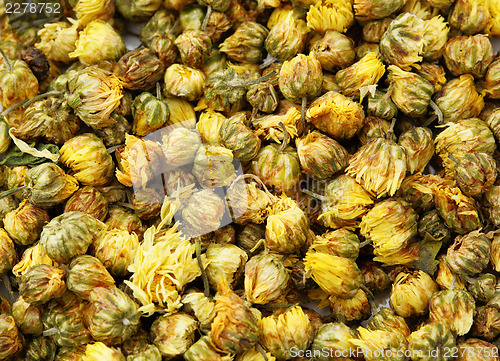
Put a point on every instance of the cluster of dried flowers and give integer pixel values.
(187, 199)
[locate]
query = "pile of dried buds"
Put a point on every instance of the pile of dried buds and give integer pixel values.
(250, 164)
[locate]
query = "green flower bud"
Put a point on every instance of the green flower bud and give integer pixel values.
(41, 283)
(138, 11)
(147, 203)
(434, 74)
(40, 349)
(69, 235)
(419, 147)
(411, 92)
(454, 309)
(475, 173)
(194, 47)
(139, 69)
(218, 96)
(433, 341)
(469, 254)
(334, 337)
(149, 114)
(124, 219)
(374, 277)
(378, 9)
(459, 99)
(483, 288)
(88, 199)
(246, 43)
(263, 96)
(469, 16)
(380, 105)
(403, 42)
(486, 322)
(203, 350)
(301, 77)
(239, 138)
(112, 317)
(334, 50)
(431, 227)
(373, 30)
(17, 83)
(86, 273)
(286, 39)
(468, 55)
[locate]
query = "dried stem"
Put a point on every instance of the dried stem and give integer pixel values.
(285, 137)
(12, 191)
(262, 352)
(207, 16)
(206, 285)
(6, 60)
(303, 114)
(241, 83)
(27, 102)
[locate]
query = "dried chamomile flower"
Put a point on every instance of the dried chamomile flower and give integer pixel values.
(161, 269)
(138, 11)
(277, 165)
(387, 320)
(411, 293)
(41, 283)
(336, 15)
(98, 42)
(492, 80)
(320, 156)
(379, 166)
(434, 74)
(236, 136)
(284, 331)
(462, 137)
(352, 309)
(28, 317)
(344, 203)
(337, 276)
(483, 288)
(139, 69)
(486, 321)
(365, 72)
(468, 104)
(469, 254)
(213, 166)
(374, 29)
(57, 40)
(236, 326)
(69, 235)
(420, 8)
(435, 37)
(40, 348)
(475, 173)
(470, 16)
(12, 340)
(85, 273)
(432, 340)
(333, 50)
(246, 43)
(468, 55)
(225, 261)
(287, 226)
(411, 92)
(334, 337)
(391, 226)
(88, 10)
(403, 42)
(99, 351)
(372, 341)
(266, 278)
(446, 278)
(336, 115)
(112, 316)
(150, 114)
(89, 161)
(203, 213)
(203, 350)
(17, 82)
(419, 147)
(184, 81)
(454, 309)
(375, 9)
(94, 94)
(286, 38)
(88, 199)
(24, 224)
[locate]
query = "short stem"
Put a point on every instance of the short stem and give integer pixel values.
(285, 138)
(240, 83)
(7, 61)
(364, 244)
(204, 277)
(27, 102)
(315, 195)
(438, 111)
(12, 191)
(391, 129)
(158, 91)
(259, 243)
(261, 351)
(388, 93)
(453, 282)
(303, 114)
(468, 279)
(207, 16)
(267, 63)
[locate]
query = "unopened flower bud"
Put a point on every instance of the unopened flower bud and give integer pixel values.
(139, 69)
(184, 81)
(41, 283)
(24, 224)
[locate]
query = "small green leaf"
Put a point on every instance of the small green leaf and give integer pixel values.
(15, 157)
(426, 262)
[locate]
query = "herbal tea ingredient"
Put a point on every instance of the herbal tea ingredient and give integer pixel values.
(250, 181)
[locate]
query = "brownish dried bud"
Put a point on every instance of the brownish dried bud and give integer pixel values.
(419, 147)
(25, 223)
(86, 273)
(468, 55)
(246, 43)
(41, 283)
(28, 317)
(334, 50)
(147, 203)
(194, 47)
(470, 16)
(139, 69)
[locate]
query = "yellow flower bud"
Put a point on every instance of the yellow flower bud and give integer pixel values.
(375, 344)
(57, 40)
(202, 307)
(446, 278)
(453, 308)
(98, 42)
(327, 15)
(184, 81)
(411, 293)
(173, 334)
(336, 115)
(209, 125)
(468, 54)
(337, 276)
(32, 256)
(99, 351)
(375, 9)
(25, 223)
(225, 261)
(470, 16)
(367, 71)
(435, 36)
(351, 309)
